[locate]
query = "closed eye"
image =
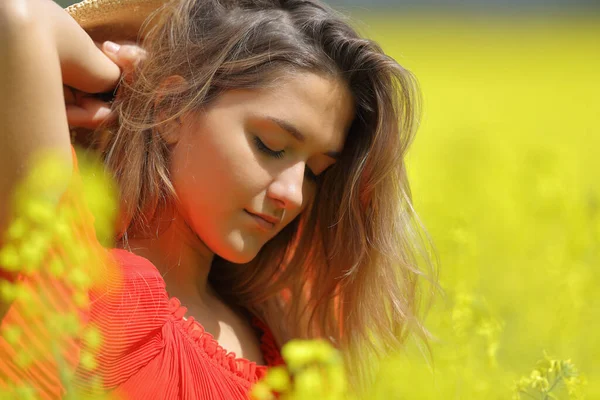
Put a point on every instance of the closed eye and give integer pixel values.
(263, 147)
(279, 154)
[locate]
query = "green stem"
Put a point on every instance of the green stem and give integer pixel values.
(556, 380)
(528, 394)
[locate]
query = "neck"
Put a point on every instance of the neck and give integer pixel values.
(180, 256)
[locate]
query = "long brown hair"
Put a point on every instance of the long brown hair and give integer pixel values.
(350, 267)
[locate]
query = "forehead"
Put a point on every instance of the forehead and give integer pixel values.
(320, 107)
(318, 99)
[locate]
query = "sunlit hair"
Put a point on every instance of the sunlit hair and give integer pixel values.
(350, 268)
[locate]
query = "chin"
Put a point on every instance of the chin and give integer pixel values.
(238, 253)
(234, 245)
(239, 258)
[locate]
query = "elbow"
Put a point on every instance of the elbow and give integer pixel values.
(16, 16)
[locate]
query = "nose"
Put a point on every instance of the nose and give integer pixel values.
(287, 187)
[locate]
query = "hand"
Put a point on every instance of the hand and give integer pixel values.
(85, 110)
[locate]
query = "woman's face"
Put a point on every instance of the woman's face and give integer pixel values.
(257, 152)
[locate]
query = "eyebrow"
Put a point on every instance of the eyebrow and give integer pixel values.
(295, 132)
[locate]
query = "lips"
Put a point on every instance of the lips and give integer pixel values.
(265, 221)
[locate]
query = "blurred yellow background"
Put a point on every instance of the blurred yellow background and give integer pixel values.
(505, 171)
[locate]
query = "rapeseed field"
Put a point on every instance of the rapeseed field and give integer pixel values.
(505, 173)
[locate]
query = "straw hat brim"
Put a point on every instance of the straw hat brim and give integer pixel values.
(115, 20)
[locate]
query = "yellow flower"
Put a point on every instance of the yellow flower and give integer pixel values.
(278, 379)
(79, 278)
(81, 298)
(88, 360)
(56, 267)
(92, 337)
(298, 353)
(17, 229)
(261, 391)
(309, 383)
(23, 359)
(25, 393)
(39, 211)
(10, 258)
(12, 334)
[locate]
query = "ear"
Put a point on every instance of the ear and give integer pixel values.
(168, 127)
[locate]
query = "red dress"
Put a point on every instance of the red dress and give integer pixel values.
(149, 349)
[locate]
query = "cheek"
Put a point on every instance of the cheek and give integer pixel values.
(214, 186)
(215, 165)
(216, 176)
(191, 175)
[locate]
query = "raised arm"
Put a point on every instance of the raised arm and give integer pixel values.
(41, 47)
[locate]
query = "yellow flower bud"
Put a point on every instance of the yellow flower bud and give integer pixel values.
(10, 258)
(522, 384)
(261, 391)
(63, 232)
(23, 359)
(79, 278)
(323, 351)
(81, 298)
(337, 381)
(12, 334)
(25, 297)
(34, 249)
(278, 379)
(87, 360)
(17, 229)
(298, 353)
(26, 393)
(92, 337)
(39, 211)
(71, 323)
(310, 383)
(56, 267)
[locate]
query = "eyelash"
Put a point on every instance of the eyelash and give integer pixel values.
(279, 154)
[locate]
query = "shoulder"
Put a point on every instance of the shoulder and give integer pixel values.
(129, 309)
(129, 312)
(137, 294)
(135, 268)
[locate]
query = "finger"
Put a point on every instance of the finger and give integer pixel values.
(100, 45)
(94, 74)
(69, 95)
(89, 113)
(131, 56)
(126, 56)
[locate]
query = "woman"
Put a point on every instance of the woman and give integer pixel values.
(259, 152)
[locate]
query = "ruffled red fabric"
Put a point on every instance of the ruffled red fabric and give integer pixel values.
(268, 345)
(210, 347)
(159, 353)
